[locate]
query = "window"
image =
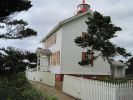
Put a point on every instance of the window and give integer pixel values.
(84, 34)
(86, 56)
(50, 41)
(58, 57)
(55, 58)
(54, 38)
(52, 59)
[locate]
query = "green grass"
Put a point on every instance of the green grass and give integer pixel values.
(52, 98)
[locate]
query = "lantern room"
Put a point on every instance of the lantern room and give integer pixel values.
(82, 8)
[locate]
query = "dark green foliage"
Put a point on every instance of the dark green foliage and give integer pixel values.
(15, 28)
(14, 86)
(13, 61)
(112, 80)
(8, 7)
(17, 87)
(27, 33)
(19, 35)
(100, 31)
(84, 62)
(129, 71)
(15, 22)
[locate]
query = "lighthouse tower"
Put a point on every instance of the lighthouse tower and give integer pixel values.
(83, 7)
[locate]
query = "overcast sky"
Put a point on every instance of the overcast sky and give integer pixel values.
(45, 14)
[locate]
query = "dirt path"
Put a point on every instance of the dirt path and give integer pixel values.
(52, 91)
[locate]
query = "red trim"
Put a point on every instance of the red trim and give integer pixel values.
(94, 77)
(83, 55)
(83, 1)
(84, 9)
(59, 77)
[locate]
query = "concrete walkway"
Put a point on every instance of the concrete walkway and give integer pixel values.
(52, 91)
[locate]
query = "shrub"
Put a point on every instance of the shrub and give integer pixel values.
(17, 87)
(112, 80)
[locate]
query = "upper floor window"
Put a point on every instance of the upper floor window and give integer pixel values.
(84, 34)
(50, 41)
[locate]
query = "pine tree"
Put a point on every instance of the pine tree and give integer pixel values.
(129, 71)
(98, 39)
(14, 60)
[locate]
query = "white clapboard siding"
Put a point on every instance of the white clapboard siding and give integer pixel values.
(85, 89)
(71, 53)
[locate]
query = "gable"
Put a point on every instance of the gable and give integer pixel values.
(58, 26)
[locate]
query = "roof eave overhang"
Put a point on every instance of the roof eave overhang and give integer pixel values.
(51, 32)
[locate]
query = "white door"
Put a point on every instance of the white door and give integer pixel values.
(44, 63)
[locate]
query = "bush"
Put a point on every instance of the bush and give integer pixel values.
(17, 87)
(112, 80)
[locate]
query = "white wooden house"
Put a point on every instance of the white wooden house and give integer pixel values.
(60, 54)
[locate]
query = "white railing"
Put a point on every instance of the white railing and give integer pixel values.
(85, 89)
